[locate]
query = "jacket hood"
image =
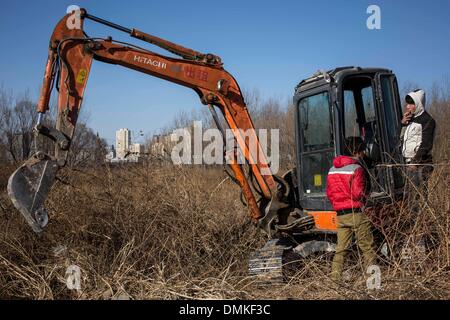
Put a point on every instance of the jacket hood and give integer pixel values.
(343, 161)
(419, 100)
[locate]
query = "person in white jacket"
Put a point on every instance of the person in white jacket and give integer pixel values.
(417, 138)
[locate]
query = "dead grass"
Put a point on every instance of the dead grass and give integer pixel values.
(162, 232)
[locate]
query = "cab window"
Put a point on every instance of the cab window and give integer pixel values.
(315, 122)
(316, 142)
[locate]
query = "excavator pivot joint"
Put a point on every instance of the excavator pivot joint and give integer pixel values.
(60, 138)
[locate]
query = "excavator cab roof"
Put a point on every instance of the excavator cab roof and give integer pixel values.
(335, 75)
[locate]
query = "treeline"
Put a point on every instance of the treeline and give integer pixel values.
(272, 113)
(18, 140)
(266, 114)
(18, 117)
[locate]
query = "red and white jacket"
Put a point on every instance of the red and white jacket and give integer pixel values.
(346, 182)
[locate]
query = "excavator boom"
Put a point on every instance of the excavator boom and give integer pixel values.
(70, 57)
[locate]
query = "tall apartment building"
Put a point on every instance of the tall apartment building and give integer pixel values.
(123, 142)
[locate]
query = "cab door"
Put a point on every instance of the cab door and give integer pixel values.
(315, 147)
(389, 107)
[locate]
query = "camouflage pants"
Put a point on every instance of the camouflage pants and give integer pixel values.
(348, 225)
(416, 194)
(417, 178)
(417, 181)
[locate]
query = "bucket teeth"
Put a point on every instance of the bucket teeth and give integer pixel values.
(28, 188)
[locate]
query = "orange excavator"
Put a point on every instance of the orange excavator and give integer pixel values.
(291, 209)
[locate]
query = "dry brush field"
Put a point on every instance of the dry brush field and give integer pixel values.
(177, 232)
(164, 232)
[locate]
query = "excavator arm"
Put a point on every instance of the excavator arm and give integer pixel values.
(70, 57)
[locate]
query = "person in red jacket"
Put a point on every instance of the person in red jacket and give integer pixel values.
(346, 190)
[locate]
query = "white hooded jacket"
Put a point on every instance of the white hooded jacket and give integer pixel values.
(418, 134)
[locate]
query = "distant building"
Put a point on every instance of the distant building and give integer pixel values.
(135, 153)
(123, 143)
(111, 154)
(161, 145)
(138, 149)
(125, 150)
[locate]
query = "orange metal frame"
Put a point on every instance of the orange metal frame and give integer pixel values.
(324, 220)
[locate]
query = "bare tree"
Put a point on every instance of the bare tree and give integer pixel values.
(26, 117)
(4, 107)
(87, 148)
(18, 117)
(439, 108)
(408, 87)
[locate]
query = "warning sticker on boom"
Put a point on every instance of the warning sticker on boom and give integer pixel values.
(81, 76)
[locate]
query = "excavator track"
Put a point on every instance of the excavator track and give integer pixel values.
(270, 265)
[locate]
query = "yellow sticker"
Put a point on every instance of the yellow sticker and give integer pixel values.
(317, 180)
(81, 77)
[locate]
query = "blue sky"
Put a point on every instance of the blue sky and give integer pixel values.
(267, 45)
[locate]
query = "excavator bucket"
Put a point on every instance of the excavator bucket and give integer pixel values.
(29, 186)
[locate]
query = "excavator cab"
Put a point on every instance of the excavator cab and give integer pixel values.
(333, 106)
